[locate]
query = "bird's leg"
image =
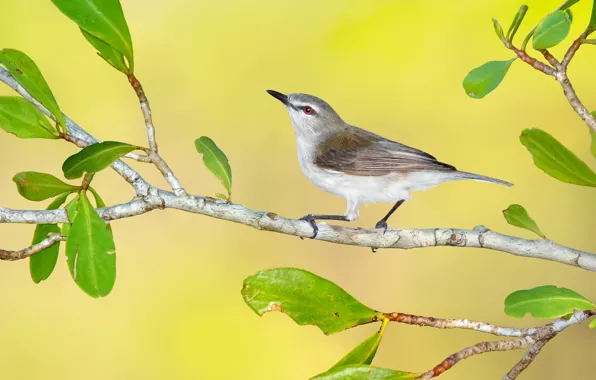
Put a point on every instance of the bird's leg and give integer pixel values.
(383, 222)
(311, 218)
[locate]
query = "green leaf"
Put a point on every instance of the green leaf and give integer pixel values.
(551, 30)
(484, 79)
(104, 20)
(108, 53)
(71, 211)
(216, 161)
(545, 302)
(95, 158)
(39, 186)
(568, 4)
(569, 14)
(306, 298)
(24, 120)
(365, 372)
(365, 352)
(26, 72)
(90, 251)
(517, 20)
(42, 264)
(592, 324)
(99, 203)
(592, 24)
(517, 216)
(499, 30)
(556, 160)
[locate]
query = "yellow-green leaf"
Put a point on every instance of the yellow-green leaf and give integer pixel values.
(365, 352)
(306, 298)
(107, 52)
(42, 264)
(24, 120)
(40, 186)
(592, 324)
(104, 20)
(95, 158)
(90, 251)
(546, 302)
(26, 72)
(517, 20)
(216, 161)
(551, 30)
(516, 215)
(556, 160)
(498, 30)
(484, 79)
(365, 372)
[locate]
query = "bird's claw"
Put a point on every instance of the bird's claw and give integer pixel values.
(382, 224)
(311, 220)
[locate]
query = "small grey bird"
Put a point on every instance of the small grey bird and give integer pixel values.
(358, 165)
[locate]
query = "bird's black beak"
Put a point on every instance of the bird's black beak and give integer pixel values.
(279, 96)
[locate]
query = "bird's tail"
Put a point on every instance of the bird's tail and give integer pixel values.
(478, 177)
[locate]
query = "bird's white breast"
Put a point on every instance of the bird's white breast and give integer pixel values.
(357, 189)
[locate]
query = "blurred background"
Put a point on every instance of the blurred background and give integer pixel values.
(394, 67)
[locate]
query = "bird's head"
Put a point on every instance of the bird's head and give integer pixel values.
(309, 114)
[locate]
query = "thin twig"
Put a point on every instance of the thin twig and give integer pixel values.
(538, 65)
(550, 59)
(168, 174)
(130, 175)
(31, 250)
(528, 358)
(136, 85)
(477, 349)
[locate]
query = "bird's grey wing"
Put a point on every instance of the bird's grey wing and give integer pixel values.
(358, 152)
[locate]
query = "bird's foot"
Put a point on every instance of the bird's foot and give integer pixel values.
(382, 224)
(311, 219)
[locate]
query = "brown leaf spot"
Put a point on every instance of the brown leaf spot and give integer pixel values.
(275, 307)
(336, 314)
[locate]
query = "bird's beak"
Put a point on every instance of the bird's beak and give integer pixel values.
(279, 96)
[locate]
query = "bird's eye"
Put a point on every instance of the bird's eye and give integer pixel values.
(307, 110)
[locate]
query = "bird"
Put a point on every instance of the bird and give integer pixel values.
(360, 166)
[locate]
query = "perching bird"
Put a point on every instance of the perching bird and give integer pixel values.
(358, 165)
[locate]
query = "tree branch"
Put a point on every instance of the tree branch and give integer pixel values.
(559, 71)
(528, 358)
(136, 85)
(125, 171)
(31, 250)
(535, 338)
(477, 349)
(479, 237)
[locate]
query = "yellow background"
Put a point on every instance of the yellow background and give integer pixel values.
(394, 67)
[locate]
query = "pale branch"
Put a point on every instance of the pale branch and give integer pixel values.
(535, 338)
(31, 250)
(136, 85)
(536, 333)
(150, 198)
(559, 72)
(129, 174)
(528, 358)
(479, 237)
(167, 173)
(477, 349)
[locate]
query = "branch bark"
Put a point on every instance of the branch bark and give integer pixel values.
(535, 338)
(31, 250)
(480, 237)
